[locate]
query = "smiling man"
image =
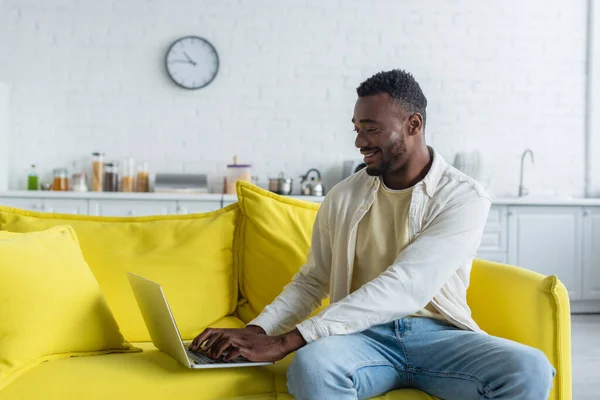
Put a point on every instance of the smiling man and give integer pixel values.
(392, 246)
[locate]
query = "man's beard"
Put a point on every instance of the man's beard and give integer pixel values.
(397, 152)
(380, 169)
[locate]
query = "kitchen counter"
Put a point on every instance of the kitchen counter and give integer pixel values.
(230, 198)
(233, 198)
(545, 201)
(43, 194)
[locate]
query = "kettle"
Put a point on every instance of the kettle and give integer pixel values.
(311, 183)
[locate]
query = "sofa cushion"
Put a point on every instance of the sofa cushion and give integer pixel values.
(189, 255)
(148, 375)
(270, 246)
(51, 304)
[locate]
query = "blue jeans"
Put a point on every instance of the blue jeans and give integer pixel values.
(420, 353)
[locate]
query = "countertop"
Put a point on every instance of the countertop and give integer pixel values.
(545, 201)
(40, 194)
(43, 194)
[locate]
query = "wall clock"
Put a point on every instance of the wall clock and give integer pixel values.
(192, 62)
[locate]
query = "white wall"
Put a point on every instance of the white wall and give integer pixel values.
(500, 76)
(594, 102)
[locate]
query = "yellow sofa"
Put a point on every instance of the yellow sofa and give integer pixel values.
(219, 269)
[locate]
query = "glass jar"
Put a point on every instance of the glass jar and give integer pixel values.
(111, 177)
(60, 182)
(143, 178)
(97, 172)
(128, 175)
(79, 183)
(237, 172)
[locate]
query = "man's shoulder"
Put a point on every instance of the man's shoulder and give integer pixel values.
(347, 188)
(455, 184)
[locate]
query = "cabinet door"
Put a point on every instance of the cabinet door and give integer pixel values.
(24, 203)
(591, 254)
(131, 208)
(65, 206)
(494, 238)
(191, 207)
(501, 258)
(548, 240)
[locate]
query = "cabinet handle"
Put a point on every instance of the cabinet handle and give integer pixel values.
(511, 213)
(130, 213)
(586, 213)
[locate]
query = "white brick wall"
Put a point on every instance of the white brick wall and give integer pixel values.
(500, 76)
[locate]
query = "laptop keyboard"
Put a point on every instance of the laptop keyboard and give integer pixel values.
(201, 357)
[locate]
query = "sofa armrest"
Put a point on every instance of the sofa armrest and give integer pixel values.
(527, 307)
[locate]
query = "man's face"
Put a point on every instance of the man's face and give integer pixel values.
(382, 131)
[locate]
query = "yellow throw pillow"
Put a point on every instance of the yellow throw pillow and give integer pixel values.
(271, 245)
(50, 303)
(189, 255)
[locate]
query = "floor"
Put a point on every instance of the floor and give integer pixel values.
(585, 334)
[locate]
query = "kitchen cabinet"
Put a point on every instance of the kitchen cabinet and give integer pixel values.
(65, 206)
(591, 254)
(192, 207)
(61, 206)
(25, 203)
(494, 241)
(501, 258)
(132, 208)
(548, 240)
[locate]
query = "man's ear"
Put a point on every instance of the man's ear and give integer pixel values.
(415, 122)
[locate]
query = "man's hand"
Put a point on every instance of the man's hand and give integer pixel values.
(251, 343)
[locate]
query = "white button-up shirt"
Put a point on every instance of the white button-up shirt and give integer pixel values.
(447, 214)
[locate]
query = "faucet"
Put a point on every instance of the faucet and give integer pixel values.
(523, 190)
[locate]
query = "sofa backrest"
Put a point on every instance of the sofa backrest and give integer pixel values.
(189, 255)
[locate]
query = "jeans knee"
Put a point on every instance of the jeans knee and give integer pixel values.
(307, 361)
(311, 364)
(532, 374)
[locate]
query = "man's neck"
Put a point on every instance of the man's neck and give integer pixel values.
(414, 172)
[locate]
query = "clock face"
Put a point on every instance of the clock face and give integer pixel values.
(192, 62)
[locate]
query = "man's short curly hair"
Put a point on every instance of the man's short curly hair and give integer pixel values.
(400, 85)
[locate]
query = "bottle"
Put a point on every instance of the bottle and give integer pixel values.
(97, 171)
(128, 175)
(32, 179)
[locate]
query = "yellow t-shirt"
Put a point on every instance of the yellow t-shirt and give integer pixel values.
(382, 235)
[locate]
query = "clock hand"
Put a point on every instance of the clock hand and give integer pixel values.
(181, 61)
(189, 58)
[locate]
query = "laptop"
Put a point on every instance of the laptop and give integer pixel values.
(164, 333)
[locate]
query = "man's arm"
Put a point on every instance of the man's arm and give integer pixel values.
(308, 287)
(416, 276)
(259, 341)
